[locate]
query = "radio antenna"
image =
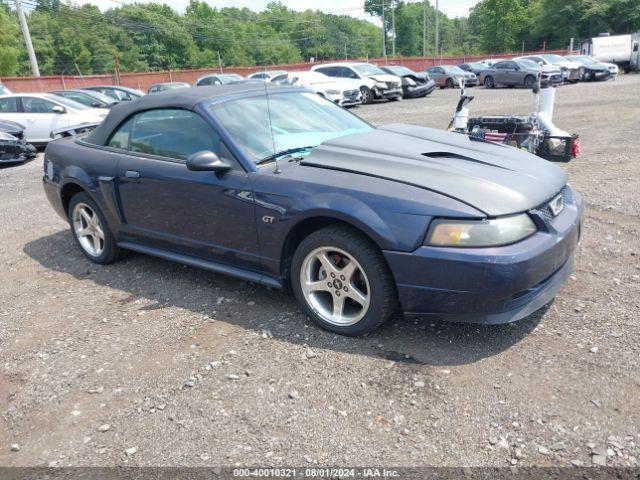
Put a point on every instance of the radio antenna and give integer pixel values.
(273, 140)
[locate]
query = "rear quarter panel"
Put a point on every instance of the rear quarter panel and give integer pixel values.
(92, 169)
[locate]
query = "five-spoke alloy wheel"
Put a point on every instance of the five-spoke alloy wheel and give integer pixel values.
(88, 229)
(91, 231)
(335, 286)
(342, 281)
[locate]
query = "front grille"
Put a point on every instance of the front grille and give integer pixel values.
(351, 94)
(544, 211)
(392, 85)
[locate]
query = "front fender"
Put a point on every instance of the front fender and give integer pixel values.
(347, 209)
(277, 216)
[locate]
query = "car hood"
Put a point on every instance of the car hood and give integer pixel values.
(385, 78)
(569, 64)
(340, 84)
(495, 179)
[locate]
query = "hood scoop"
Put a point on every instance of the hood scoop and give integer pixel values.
(495, 179)
(459, 156)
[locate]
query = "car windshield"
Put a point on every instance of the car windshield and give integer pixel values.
(228, 78)
(287, 121)
(525, 62)
(69, 103)
(553, 58)
(454, 69)
(400, 71)
(367, 69)
(583, 60)
(100, 97)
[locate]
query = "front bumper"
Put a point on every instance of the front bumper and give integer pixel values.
(571, 74)
(417, 91)
(489, 285)
(388, 93)
(15, 151)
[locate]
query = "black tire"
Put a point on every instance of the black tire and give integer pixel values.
(110, 251)
(448, 83)
(529, 81)
(395, 99)
(367, 95)
(382, 294)
(488, 82)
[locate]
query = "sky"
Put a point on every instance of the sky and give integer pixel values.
(354, 8)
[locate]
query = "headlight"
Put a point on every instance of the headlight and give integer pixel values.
(410, 81)
(381, 85)
(480, 233)
(333, 92)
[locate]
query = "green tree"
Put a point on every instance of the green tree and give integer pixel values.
(9, 42)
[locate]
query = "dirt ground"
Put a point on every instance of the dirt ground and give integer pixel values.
(146, 362)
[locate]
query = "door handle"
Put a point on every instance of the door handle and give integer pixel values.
(132, 174)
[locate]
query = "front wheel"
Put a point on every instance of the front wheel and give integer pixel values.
(91, 231)
(489, 83)
(367, 95)
(395, 99)
(342, 281)
(448, 83)
(529, 80)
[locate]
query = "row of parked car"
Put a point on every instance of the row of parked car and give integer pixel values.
(345, 83)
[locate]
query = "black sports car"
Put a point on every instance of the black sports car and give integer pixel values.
(414, 85)
(13, 147)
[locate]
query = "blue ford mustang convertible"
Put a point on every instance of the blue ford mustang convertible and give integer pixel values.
(284, 188)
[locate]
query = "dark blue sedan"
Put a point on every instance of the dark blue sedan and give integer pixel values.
(283, 187)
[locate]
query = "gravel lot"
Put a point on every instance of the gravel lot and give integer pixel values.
(145, 362)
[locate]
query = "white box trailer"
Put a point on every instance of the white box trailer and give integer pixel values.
(623, 50)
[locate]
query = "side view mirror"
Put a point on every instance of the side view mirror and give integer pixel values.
(96, 104)
(58, 109)
(207, 161)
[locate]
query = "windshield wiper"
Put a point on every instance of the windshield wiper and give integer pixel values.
(284, 153)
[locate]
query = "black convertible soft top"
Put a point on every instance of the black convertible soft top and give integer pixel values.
(186, 98)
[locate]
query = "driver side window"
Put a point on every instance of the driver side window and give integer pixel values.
(172, 133)
(37, 105)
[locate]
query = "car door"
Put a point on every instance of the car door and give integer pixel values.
(169, 207)
(501, 75)
(41, 117)
(10, 110)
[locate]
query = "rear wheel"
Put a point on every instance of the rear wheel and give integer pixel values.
(91, 231)
(367, 95)
(342, 281)
(448, 83)
(529, 80)
(489, 83)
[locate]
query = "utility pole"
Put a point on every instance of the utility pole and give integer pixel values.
(424, 28)
(393, 27)
(219, 61)
(437, 29)
(571, 46)
(27, 39)
(384, 32)
(345, 52)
